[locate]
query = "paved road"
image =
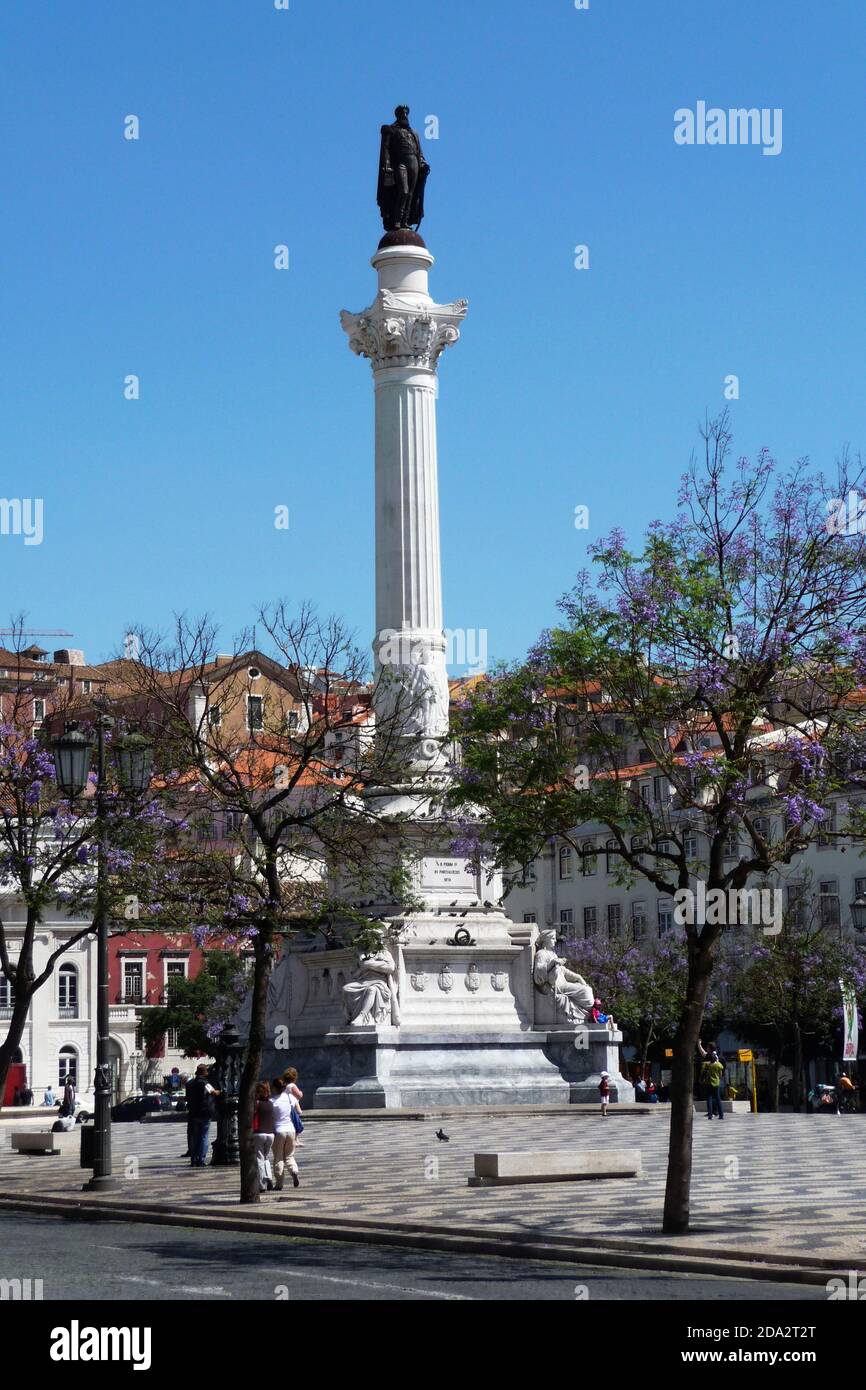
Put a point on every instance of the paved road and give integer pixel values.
(127, 1261)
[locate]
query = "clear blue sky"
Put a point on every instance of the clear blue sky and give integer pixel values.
(259, 127)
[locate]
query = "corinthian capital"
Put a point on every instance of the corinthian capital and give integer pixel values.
(398, 332)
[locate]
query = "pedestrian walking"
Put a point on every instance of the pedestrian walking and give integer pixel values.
(264, 1123)
(284, 1134)
(604, 1092)
(199, 1103)
(290, 1079)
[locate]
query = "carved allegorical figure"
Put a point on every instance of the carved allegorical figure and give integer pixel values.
(572, 995)
(371, 998)
(403, 174)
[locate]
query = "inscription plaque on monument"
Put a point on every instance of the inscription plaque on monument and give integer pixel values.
(447, 871)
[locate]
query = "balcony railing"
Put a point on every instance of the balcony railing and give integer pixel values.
(68, 1011)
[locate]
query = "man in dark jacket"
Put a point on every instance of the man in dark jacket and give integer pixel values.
(199, 1104)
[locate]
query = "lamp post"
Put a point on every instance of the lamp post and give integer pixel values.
(229, 1065)
(858, 912)
(133, 756)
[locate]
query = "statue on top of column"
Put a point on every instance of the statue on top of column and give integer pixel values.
(403, 174)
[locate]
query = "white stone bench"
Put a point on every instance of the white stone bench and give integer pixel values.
(555, 1165)
(44, 1141)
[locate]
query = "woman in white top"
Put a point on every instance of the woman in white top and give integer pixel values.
(284, 1135)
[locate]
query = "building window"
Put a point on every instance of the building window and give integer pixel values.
(611, 857)
(7, 997)
(565, 862)
(133, 981)
(614, 920)
(638, 920)
(661, 790)
(174, 970)
(171, 1039)
(759, 773)
(762, 826)
(529, 916)
(233, 820)
(529, 876)
(67, 991)
(826, 827)
(254, 673)
(589, 860)
(255, 713)
(215, 716)
(732, 845)
(139, 1038)
(566, 917)
(293, 719)
(67, 1065)
(645, 789)
(590, 921)
(795, 895)
(38, 711)
(828, 902)
(665, 916)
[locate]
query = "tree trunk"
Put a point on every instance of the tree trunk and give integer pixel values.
(10, 1043)
(676, 1210)
(252, 1067)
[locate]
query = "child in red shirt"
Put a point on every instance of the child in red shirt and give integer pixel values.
(604, 1092)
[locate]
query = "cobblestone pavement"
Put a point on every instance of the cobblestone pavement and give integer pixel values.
(793, 1185)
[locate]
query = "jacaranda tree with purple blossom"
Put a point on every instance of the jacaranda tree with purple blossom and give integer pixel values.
(273, 762)
(725, 658)
(785, 992)
(48, 858)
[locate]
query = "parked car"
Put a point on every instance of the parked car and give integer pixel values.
(134, 1108)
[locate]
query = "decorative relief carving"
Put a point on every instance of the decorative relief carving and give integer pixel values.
(446, 979)
(472, 979)
(395, 332)
(499, 980)
(419, 981)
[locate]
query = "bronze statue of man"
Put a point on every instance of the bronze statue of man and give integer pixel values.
(403, 173)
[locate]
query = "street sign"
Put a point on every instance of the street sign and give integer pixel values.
(744, 1054)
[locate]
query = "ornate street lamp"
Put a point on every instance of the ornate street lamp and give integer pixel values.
(133, 756)
(228, 1069)
(858, 912)
(72, 752)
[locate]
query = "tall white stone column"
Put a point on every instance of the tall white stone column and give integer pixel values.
(403, 333)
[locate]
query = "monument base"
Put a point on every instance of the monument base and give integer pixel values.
(400, 1068)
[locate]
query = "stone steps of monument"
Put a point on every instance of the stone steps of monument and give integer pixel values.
(445, 1112)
